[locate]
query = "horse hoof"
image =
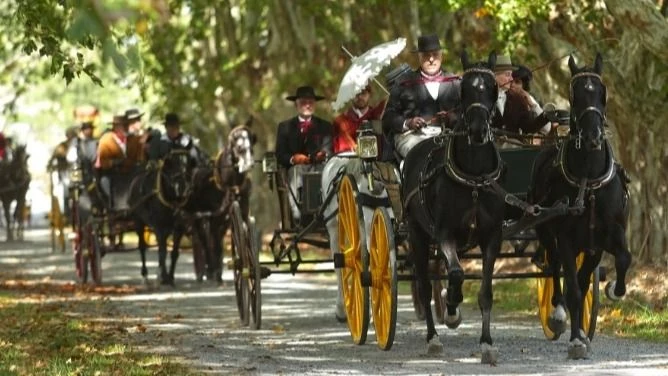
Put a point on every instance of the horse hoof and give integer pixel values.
(577, 350)
(610, 291)
(434, 346)
(489, 354)
(453, 321)
(557, 321)
(585, 340)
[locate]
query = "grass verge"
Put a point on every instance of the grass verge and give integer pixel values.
(39, 339)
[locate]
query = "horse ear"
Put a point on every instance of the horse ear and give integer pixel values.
(249, 122)
(465, 59)
(571, 65)
(598, 63)
(491, 60)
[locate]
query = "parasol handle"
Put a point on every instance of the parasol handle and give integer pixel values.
(374, 79)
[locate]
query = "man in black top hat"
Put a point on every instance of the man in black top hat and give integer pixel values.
(420, 98)
(303, 142)
(173, 138)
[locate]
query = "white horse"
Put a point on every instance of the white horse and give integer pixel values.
(349, 163)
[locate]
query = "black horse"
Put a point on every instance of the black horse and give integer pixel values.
(583, 169)
(449, 201)
(157, 198)
(215, 187)
(16, 179)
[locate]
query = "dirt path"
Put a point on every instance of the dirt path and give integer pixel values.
(199, 325)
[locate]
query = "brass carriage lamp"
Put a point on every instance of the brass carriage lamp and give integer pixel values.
(269, 163)
(76, 175)
(367, 142)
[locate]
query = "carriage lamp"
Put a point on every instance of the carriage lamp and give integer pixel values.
(562, 130)
(367, 146)
(76, 176)
(269, 163)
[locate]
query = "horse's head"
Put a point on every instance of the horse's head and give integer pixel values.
(479, 93)
(177, 171)
(240, 142)
(588, 101)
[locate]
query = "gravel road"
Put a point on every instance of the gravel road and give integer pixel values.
(198, 324)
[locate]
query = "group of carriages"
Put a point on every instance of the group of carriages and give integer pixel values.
(458, 196)
(183, 192)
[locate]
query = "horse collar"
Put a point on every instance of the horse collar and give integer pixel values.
(462, 177)
(591, 184)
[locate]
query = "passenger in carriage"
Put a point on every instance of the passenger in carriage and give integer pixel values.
(517, 111)
(346, 124)
(111, 154)
(421, 97)
(303, 142)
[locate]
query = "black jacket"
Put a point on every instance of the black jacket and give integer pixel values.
(410, 98)
(289, 140)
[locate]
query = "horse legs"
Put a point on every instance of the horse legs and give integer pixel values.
(161, 237)
(558, 318)
(333, 231)
(139, 229)
(176, 238)
(6, 204)
(419, 241)
(454, 295)
(577, 348)
(614, 290)
(490, 248)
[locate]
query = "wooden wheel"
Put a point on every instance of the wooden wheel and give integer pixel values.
(94, 254)
(78, 244)
(255, 278)
(383, 269)
(240, 247)
(590, 307)
(352, 245)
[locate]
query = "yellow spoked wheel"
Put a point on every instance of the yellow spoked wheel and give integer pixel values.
(383, 269)
(545, 288)
(353, 247)
(57, 222)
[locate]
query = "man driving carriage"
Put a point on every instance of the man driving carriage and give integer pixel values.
(173, 138)
(420, 98)
(303, 142)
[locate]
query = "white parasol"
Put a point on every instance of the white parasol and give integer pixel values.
(365, 68)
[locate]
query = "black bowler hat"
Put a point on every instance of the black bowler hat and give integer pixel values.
(172, 120)
(304, 92)
(428, 43)
(133, 114)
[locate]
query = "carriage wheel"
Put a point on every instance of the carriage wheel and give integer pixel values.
(353, 247)
(590, 307)
(240, 247)
(95, 255)
(57, 226)
(78, 244)
(255, 279)
(383, 268)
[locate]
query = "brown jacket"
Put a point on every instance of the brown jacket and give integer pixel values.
(109, 150)
(517, 115)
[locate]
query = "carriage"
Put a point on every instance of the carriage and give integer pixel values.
(373, 253)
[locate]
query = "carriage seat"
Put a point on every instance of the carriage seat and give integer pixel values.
(308, 198)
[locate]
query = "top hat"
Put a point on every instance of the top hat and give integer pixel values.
(304, 92)
(133, 114)
(172, 120)
(118, 120)
(503, 63)
(426, 43)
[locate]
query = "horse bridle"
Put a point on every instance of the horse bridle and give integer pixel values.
(578, 116)
(489, 112)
